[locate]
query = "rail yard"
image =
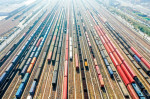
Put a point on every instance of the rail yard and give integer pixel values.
(71, 49)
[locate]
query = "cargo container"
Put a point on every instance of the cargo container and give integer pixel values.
(137, 54)
(24, 70)
(101, 81)
(33, 87)
(106, 62)
(76, 61)
(20, 90)
(65, 68)
(65, 84)
(129, 69)
(131, 80)
(110, 71)
(136, 58)
(30, 68)
(37, 75)
(3, 77)
(25, 78)
(54, 80)
(123, 76)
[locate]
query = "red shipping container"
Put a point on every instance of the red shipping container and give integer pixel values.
(117, 58)
(65, 85)
(107, 37)
(132, 92)
(129, 69)
(102, 30)
(145, 62)
(49, 56)
(107, 48)
(103, 41)
(120, 56)
(65, 68)
(101, 80)
(77, 63)
(138, 55)
(39, 41)
(131, 80)
(97, 70)
(66, 56)
(113, 59)
(114, 47)
(94, 27)
(110, 47)
(123, 76)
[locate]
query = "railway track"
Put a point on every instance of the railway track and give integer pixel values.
(74, 54)
(12, 95)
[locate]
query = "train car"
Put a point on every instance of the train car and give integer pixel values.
(124, 90)
(15, 60)
(103, 55)
(49, 56)
(54, 55)
(138, 82)
(132, 92)
(144, 67)
(101, 81)
(3, 77)
(20, 91)
(106, 62)
(33, 87)
(110, 71)
(76, 61)
(66, 68)
(37, 75)
(86, 64)
(9, 68)
(56, 67)
(147, 95)
(30, 68)
(138, 91)
(25, 78)
(24, 70)
(145, 62)
(136, 58)
(97, 70)
(54, 79)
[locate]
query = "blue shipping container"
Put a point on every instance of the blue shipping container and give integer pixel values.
(3, 77)
(32, 89)
(106, 62)
(136, 58)
(137, 90)
(110, 71)
(20, 90)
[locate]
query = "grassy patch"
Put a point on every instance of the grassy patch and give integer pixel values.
(138, 26)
